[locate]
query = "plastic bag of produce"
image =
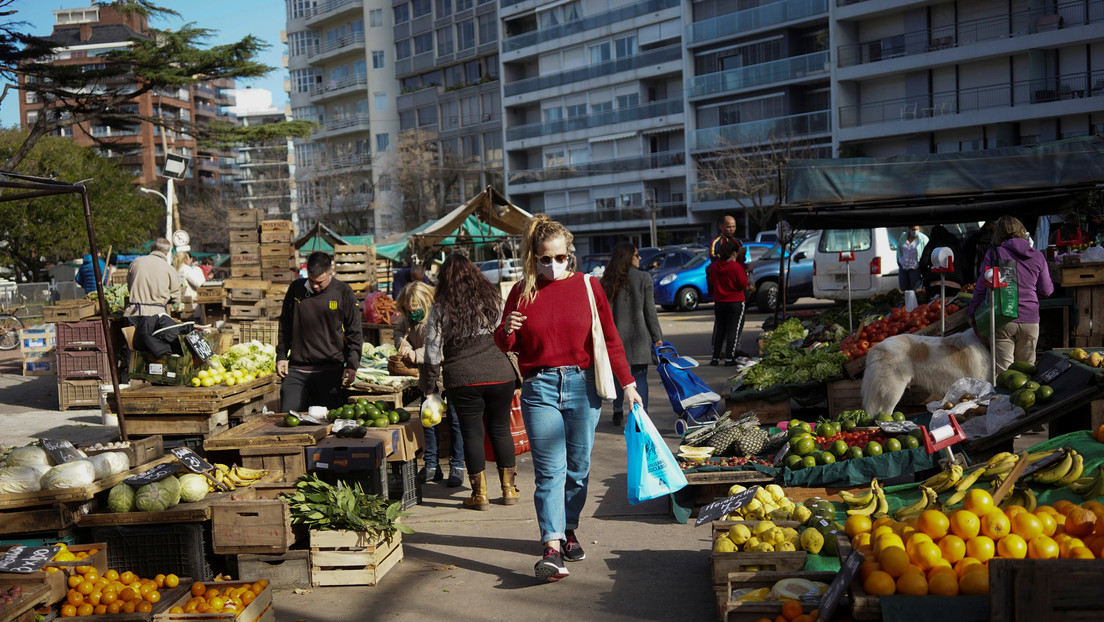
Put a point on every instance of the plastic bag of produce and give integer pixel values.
(121, 498)
(193, 487)
(110, 463)
(15, 479)
(795, 589)
(69, 475)
(158, 496)
(26, 456)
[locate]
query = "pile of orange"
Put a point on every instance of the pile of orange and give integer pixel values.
(1098, 433)
(114, 592)
(65, 555)
(792, 612)
(225, 598)
(948, 554)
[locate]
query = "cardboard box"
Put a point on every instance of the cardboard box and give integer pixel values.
(342, 455)
(410, 440)
(38, 338)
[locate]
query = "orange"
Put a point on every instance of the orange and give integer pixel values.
(198, 588)
(894, 561)
(934, 523)
(1080, 522)
(856, 525)
(94, 598)
(952, 547)
(217, 603)
(1080, 552)
(114, 607)
(248, 595)
(943, 584)
(1095, 507)
(862, 539)
(1067, 545)
(885, 541)
(86, 588)
(942, 566)
(981, 548)
(153, 596)
(1042, 547)
(1012, 547)
(189, 607)
(914, 540)
(976, 583)
(996, 525)
(1049, 509)
(880, 583)
(211, 593)
(111, 575)
(176, 610)
(84, 569)
(259, 587)
(1063, 507)
(75, 580)
(912, 583)
(979, 502)
(965, 524)
(127, 578)
(85, 610)
(109, 596)
(202, 607)
(927, 555)
(68, 611)
(100, 610)
(128, 606)
(159, 580)
(143, 607)
(1047, 524)
(172, 580)
(1013, 510)
(791, 609)
(74, 598)
(880, 531)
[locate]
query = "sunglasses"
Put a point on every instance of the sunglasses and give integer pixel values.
(547, 259)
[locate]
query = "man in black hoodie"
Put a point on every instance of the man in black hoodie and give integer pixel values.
(318, 351)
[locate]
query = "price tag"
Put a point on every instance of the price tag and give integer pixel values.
(27, 559)
(155, 474)
(199, 345)
(717, 509)
(897, 427)
(1043, 463)
(191, 460)
(832, 595)
(61, 451)
(1049, 375)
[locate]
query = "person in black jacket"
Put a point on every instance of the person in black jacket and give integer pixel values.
(318, 351)
(941, 237)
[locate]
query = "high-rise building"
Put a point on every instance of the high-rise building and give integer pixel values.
(266, 168)
(82, 35)
(342, 69)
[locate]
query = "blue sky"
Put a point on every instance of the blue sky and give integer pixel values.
(229, 19)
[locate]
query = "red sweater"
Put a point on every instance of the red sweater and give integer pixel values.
(729, 280)
(556, 330)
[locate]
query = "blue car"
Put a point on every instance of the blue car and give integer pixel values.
(683, 288)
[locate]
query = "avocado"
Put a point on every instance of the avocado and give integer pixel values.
(1044, 393)
(1016, 381)
(1024, 398)
(1024, 367)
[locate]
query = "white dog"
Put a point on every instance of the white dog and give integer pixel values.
(932, 363)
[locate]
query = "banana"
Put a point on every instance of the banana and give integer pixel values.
(857, 500)
(1030, 502)
(1075, 471)
(998, 458)
(246, 474)
(1039, 455)
(1056, 472)
(1016, 497)
(883, 503)
(965, 483)
(222, 467)
(946, 480)
(1085, 484)
(865, 510)
(1097, 486)
(1000, 468)
(915, 509)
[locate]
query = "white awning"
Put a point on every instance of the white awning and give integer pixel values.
(609, 137)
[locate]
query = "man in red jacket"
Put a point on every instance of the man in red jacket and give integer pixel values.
(727, 279)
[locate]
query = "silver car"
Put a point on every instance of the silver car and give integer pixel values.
(495, 269)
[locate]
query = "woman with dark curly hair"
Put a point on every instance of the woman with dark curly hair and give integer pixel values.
(478, 377)
(632, 298)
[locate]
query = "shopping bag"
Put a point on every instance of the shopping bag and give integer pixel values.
(603, 370)
(1006, 300)
(517, 432)
(652, 469)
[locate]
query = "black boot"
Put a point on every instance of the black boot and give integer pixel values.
(618, 418)
(456, 477)
(430, 472)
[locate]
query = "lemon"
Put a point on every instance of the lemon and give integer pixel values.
(203, 373)
(763, 527)
(231, 381)
(237, 373)
(197, 382)
(249, 378)
(208, 381)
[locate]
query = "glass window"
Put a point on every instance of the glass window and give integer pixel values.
(491, 106)
(383, 141)
(427, 115)
(490, 64)
(463, 5)
(628, 101)
(445, 41)
(303, 42)
(471, 72)
(454, 77)
(626, 46)
(375, 18)
(301, 8)
(423, 43)
(402, 49)
(406, 119)
(469, 147)
(488, 28)
(469, 111)
(450, 118)
(466, 34)
(551, 114)
(444, 8)
(837, 240)
(601, 107)
(380, 100)
(302, 80)
(600, 53)
(553, 159)
(421, 8)
(492, 147)
(576, 110)
(378, 59)
(402, 13)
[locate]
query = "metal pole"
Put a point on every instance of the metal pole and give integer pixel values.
(943, 304)
(993, 334)
(169, 215)
(850, 317)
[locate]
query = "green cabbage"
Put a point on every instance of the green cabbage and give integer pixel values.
(158, 496)
(121, 498)
(193, 487)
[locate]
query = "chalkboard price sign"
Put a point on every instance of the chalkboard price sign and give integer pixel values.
(155, 474)
(191, 460)
(61, 451)
(717, 509)
(1052, 373)
(27, 559)
(199, 345)
(834, 593)
(897, 427)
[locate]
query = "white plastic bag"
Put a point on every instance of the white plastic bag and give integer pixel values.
(109, 463)
(910, 300)
(1092, 254)
(981, 391)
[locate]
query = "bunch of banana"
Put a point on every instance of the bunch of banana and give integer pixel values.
(1021, 496)
(929, 500)
(1090, 487)
(871, 503)
(1064, 472)
(944, 480)
(964, 484)
(999, 465)
(234, 477)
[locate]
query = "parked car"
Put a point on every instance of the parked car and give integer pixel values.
(594, 265)
(493, 270)
(683, 287)
(768, 237)
(755, 250)
(668, 257)
(763, 274)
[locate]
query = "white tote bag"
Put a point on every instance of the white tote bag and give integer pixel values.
(603, 371)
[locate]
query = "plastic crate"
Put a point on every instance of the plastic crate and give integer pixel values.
(402, 483)
(81, 336)
(148, 550)
(82, 364)
(76, 393)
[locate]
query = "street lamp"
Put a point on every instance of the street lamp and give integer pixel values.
(176, 167)
(168, 209)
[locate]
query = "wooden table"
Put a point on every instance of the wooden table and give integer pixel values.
(78, 494)
(203, 411)
(267, 431)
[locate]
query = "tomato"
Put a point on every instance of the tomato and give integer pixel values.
(864, 345)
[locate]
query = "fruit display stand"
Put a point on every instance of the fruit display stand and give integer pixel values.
(388, 393)
(706, 484)
(187, 410)
(1045, 589)
(266, 443)
(259, 610)
(741, 611)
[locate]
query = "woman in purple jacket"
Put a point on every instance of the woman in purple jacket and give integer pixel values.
(1016, 341)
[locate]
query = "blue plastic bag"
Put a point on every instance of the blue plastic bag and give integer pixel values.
(652, 469)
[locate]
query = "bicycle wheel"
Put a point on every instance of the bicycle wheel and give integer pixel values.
(9, 332)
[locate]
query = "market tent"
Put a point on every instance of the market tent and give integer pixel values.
(494, 217)
(942, 188)
(322, 238)
(396, 250)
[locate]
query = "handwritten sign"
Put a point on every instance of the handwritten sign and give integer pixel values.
(61, 451)
(717, 509)
(781, 454)
(155, 474)
(897, 427)
(199, 345)
(834, 593)
(191, 460)
(1049, 375)
(27, 559)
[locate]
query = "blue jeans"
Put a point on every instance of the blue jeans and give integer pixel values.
(561, 409)
(456, 451)
(640, 375)
(908, 279)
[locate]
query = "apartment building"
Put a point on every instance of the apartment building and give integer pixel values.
(266, 167)
(341, 61)
(83, 35)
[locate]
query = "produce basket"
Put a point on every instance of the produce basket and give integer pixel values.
(396, 367)
(739, 561)
(742, 611)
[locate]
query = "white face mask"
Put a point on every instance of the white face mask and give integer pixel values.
(552, 271)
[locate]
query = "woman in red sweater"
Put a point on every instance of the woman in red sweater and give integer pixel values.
(727, 280)
(547, 321)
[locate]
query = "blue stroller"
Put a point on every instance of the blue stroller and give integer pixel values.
(693, 401)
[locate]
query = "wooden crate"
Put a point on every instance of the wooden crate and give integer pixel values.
(276, 225)
(210, 294)
(205, 425)
(55, 582)
(139, 452)
(257, 526)
(291, 569)
(1081, 275)
(69, 311)
(263, 331)
(248, 294)
(167, 401)
(33, 596)
(277, 263)
(283, 275)
(56, 517)
(733, 611)
(260, 610)
(291, 460)
(276, 237)
(243, 236)
(352, 557)
(1088, 303)
(267, 432)
(247, 312)
(285, 251)
(1045, 589)
(721, 564)
(246, 271)
(65, 495)
(768, 412)
(238, 218)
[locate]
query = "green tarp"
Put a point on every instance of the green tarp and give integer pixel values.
(480, 233)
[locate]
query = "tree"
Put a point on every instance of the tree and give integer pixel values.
(99, 94)
(424, 174)
(340, 198)
(37, 232)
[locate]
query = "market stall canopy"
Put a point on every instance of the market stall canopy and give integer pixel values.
(322, 238)
(487, 215)
(942, 188)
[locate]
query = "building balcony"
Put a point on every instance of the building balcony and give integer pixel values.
(204, 92)
(338, 47)
(615, 16)
(356, 160)
(332, 10)
(600, 119)
(782, 70)
(641, 214)
(338, 88)
(345, 125)
(670, 53)
(204, 110)
(740, 22)
(780, 129)
(651, 161)
(1072, 89)
(1013, 25)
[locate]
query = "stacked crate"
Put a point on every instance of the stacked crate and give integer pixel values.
(246, 298)
(82, 364)
(38, 346)
(355, 264)
(245, 289)
(278, 262)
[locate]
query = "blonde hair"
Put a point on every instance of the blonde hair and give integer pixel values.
(1009, 227)
(180, 258)
(415, 295)
(538, 230)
